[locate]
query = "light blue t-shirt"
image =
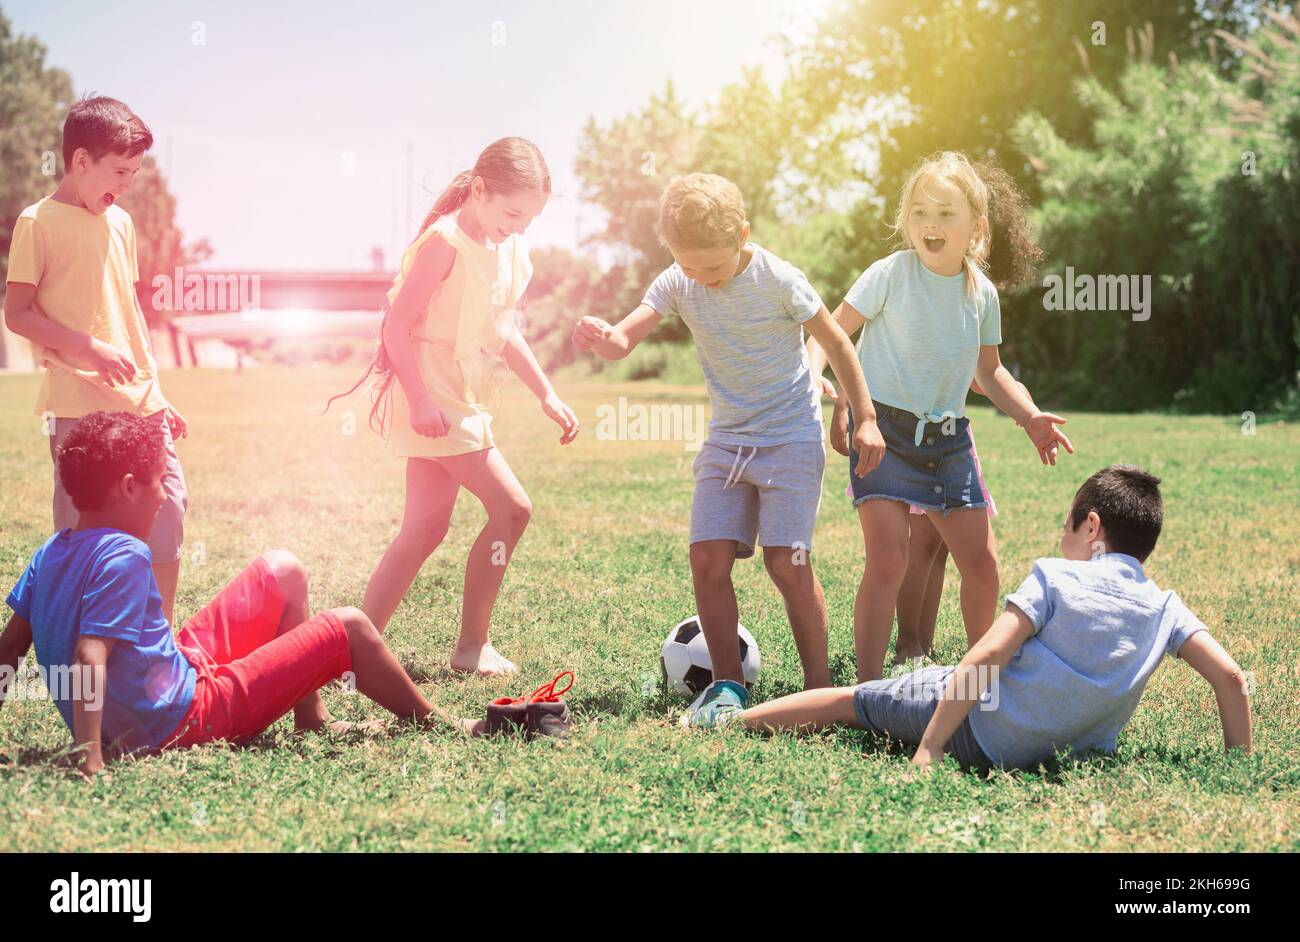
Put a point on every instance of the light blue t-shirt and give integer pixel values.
(100, 582)
(921, 342)
(750, 341)
(1101, 628)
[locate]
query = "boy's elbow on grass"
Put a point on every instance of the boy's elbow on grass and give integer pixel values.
(1233, 696)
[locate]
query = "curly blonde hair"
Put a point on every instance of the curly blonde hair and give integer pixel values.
(701, 211)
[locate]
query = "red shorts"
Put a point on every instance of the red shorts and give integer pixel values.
(247, 676)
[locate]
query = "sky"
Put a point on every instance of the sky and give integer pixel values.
(288, 131)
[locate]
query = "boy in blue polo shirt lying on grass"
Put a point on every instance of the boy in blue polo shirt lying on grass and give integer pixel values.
(1062, 668)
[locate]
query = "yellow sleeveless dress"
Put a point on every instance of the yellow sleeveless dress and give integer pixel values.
(459, 340)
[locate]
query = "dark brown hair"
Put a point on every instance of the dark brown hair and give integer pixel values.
(506, 165)
(1128, 503)
(103, 448)
(102, 126)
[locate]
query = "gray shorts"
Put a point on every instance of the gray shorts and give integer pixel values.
(168, 533)
(764, 495)
(901, 708)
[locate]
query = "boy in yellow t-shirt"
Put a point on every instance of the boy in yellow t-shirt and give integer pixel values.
(71, 292)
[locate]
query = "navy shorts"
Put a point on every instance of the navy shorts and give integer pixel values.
(938, 474)
(901, 708)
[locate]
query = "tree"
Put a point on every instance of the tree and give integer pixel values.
(1190, 180)
(158, 240)
(743, 138)
(624, 168)
(564, 287)
(33, 100)
(880, 84)
(927, 75)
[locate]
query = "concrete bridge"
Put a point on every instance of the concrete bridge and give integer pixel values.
(197, 312)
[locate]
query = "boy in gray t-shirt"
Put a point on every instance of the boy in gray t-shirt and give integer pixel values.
(758, 477)
(1063, 668)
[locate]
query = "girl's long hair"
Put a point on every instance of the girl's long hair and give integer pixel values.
(1006, 250)
(506, 166)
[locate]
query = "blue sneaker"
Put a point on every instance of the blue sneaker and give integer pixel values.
(719, 702)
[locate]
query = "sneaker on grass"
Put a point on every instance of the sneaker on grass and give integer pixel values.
(719, 702)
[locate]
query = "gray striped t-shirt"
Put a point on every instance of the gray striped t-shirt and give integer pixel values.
(750, 341)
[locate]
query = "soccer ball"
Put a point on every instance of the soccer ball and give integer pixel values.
(685, 662)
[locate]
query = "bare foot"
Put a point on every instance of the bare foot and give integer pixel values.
(440, 719)
(485, 660)
(312, 721)
(909, 666)
(339, 727)
(903, 655)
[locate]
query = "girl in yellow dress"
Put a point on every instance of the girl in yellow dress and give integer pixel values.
(451, 321)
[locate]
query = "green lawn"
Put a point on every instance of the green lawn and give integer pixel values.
(598, 580)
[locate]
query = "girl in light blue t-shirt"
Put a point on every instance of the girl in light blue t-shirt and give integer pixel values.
(931, 325)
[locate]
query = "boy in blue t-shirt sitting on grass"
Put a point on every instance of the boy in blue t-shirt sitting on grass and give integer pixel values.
(1062, 669)
(89, 603)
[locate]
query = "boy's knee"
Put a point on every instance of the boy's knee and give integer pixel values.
(787, 567)
(356, 623)
(289, 572)
(711, 564)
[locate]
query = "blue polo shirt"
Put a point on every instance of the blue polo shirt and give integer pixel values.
(1101, 628)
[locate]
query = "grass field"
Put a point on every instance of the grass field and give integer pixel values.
(598, 579)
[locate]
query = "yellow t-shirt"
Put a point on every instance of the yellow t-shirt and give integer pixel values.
(84, 268)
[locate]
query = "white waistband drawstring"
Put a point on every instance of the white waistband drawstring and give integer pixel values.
(734, 476)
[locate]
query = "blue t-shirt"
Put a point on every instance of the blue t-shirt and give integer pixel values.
(1101, 628)
(750, 340)
(100, 582)
(921, 342)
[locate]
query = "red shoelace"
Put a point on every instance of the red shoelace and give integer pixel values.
(546, 693)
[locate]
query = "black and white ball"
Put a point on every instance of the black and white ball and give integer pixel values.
(685, 660)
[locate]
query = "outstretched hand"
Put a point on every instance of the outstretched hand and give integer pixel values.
(590, 331)
(1042, 431)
